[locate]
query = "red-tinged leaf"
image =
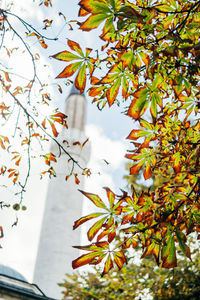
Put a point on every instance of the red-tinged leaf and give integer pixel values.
(55, 132)
(95, 228)
(93, 22)
(84, 259)
(130, 242)
(177, 162)
(112, 93)
(11, 174)
(67, 177)
(148, 250)
(111, 236)
(18, 161)
(111, 196)
(108, 265)
(168, 254)
(86, 218)
(139, 104)
(88, 51)
(181, 240)
(16, 178)
(94, 80)
(1, 232)
(77, 181)
(69, 70)
(43, 44)
(65, 56)
(95, 91)
(44, 123)
(80, 80)
(95, 6)
(82, 12)
(94, 246)
(95, 199)
(2, 145)
(51, 157)
(147, 171)
(75, 47)
(119, 258)
(7, 77)
(102, 235)
(96, 261)
(135, 169)
(137, 133)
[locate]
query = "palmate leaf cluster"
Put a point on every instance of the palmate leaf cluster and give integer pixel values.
(151, 57)
(135, 281)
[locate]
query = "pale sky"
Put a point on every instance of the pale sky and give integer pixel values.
(106, 131)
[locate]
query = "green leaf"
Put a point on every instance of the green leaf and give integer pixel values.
(95, 199)
(65, 56)
(153, 106)
(108, 265)
(93, 22)
(113, 91)
(111, 197)
(80, 80)
(95, 228)
(169, 259)
(69, 70)
(86, 218)
(181, 240)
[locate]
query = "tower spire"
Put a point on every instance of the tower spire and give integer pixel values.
(76, 109)
(63, 203)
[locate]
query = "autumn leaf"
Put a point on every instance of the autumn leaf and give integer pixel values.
(169, 259)
(69, 70)
(86, 218)
(95, 199)
(108, 265)
(139, 103)
(181, 240)
(80, 80)
(119, 258)
(95, 228)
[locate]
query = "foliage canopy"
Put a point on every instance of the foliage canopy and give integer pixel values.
(150, 59)
(135, 281)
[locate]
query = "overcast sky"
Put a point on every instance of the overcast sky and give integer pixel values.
(106, 131)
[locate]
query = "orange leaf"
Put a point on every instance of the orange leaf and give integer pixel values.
(80, 80)
(7, 76)
(135, 169)
(147, 172)
(75, 47)
(108, 265)
(69, 70)
(84, 260)
(77, 181)
(44, 123)
(86, 218)
(55, 132)
(119, 258)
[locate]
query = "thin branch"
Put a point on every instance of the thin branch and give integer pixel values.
(29, 160)
(27, 26)
(32, 58)
(38, 125)
(3, 36)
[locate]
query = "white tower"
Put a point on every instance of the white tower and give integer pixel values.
(63, 203)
